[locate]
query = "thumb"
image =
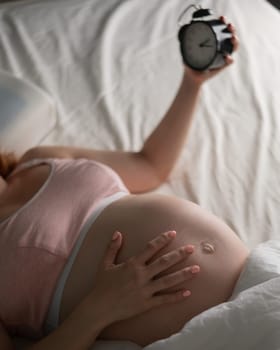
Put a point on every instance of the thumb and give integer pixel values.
(112, 250)
(228, 61)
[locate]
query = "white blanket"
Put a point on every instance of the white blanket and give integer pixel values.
(250, 320)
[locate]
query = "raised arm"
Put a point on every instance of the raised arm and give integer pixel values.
(164, 145)
(149, 167)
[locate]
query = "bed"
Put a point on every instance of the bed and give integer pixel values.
(106, 71)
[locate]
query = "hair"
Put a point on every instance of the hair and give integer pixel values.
(8, 162)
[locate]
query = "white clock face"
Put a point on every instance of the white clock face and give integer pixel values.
(199, 45)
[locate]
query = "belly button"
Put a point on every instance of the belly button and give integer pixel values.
(207, 247)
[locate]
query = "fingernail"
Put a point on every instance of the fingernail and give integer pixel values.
(171, 234)
(115, 235)
(187, 293)
(189, 248)
(195, 269)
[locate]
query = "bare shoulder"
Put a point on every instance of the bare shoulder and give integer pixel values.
(45, 152)
(136, 171)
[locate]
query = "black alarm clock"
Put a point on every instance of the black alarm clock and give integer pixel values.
(204, 41)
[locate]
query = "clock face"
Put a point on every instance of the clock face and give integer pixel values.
(199, 45)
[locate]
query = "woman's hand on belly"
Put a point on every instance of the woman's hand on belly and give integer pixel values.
(134, 286)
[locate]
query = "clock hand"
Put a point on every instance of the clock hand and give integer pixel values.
(204, 42)
(201, 45)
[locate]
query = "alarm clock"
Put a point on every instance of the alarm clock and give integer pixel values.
(204, 41)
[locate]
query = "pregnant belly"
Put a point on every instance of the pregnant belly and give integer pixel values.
(218, 251)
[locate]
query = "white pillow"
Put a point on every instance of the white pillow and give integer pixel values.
(27, 114)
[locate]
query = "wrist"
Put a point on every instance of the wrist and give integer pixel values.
(190, 83)
(94, 309)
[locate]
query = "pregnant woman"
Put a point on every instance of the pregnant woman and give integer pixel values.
(86, 254)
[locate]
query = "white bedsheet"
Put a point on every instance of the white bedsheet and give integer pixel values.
(113, 68)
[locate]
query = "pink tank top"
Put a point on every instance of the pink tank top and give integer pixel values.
(37, 239)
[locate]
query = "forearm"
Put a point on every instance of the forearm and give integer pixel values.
(164, 145)
(79, 331)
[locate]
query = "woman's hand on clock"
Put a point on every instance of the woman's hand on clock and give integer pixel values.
(199, 78)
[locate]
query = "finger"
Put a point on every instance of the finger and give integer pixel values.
(231, 28)
(169, 259)
(213, 72)
(175, 278)
(228, 59)
(223, 19)
(235, 42)
(112, 250)
(155, 245)
(170, 298)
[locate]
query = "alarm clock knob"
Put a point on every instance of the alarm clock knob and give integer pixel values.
(202, 13)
